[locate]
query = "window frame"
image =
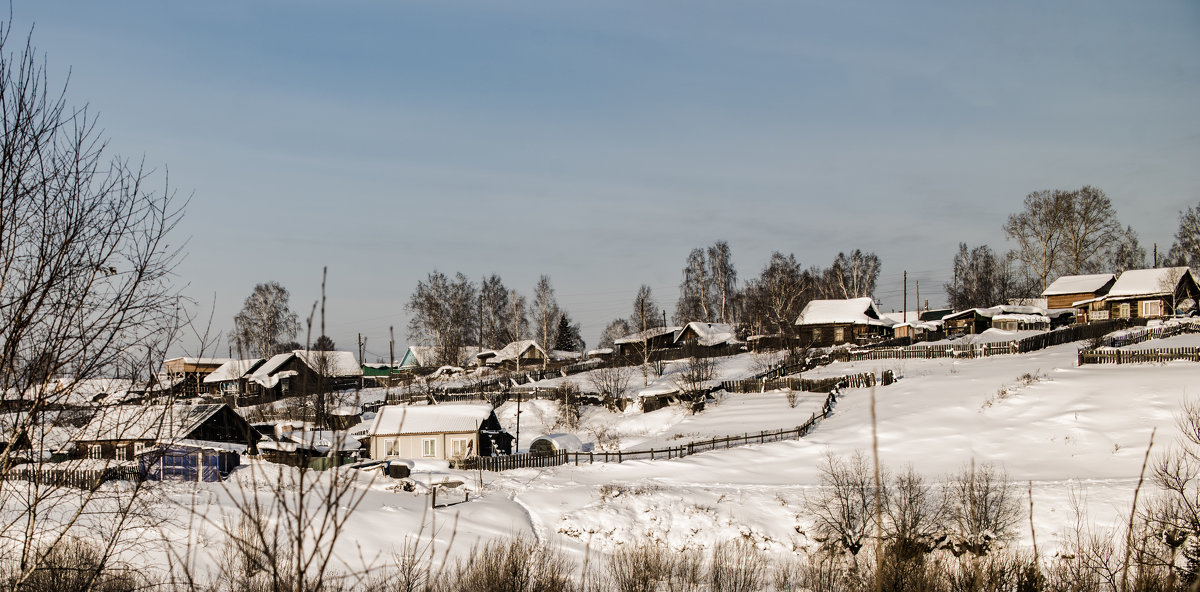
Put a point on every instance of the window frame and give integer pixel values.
(428, 447)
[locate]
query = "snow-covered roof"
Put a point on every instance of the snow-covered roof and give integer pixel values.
(335, 364)
(197, 361)
(232, 370)
(602, 351)
(1023, 318)
(993, 311)
(429, 419)
(708, 334)
(647, 334)
(512, 351)
(153, 422)
(561, 442)
(910, 317)
(1148, 282)
(1078, 284)
(427, 355)
(858, 311)
(77, 392)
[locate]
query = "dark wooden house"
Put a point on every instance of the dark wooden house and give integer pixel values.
(825, 323)
(1152, 293)
(125, 431)
(654, 339)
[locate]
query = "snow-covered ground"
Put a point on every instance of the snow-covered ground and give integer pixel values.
(1067, 432)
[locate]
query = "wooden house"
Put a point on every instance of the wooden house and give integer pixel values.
(515, 356)
(654, 339)
(303, 372)
(824, 323)
(125, 431)
(426, 356)
(230, 378)
(188, 374)
(1077, 292)
(1005, 317)
(437, 432)
(700, 334)
(1152, 293)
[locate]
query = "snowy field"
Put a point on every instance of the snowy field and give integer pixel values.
(1070, 433)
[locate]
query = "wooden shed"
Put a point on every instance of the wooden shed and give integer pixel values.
(1069, 291)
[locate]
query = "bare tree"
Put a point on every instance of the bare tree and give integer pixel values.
(545, 314)
(843, 509)
(983, 509)
(1038, 231)
(694, 380)
(774, 300)
(724, 280)
(1128, 252)
(265, 320)
(496, 314)
(983, 278)
(1185, 252)
(694, 290)
(611, 382)
(854, 275)
(1089, 228)
(519, 319)
(915, 513)
(615, 330)
(443, 315)
(646, 316)
(86, 267)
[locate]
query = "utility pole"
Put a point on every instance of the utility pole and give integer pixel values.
(1156, 255)
(391, 361)
(918, 282)
(904, 314)
(517, 439)
(358, 387)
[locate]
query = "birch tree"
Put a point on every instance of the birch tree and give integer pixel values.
(854, 275)
(1037, 230)
(1089, 231)
(724, 280)
(1186, 249)
(545, 314)
(443, 315)
(694, 291)
(265, 321)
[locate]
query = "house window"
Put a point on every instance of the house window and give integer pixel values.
(391, 448)
(1123, 310)
(816, 334)
(120, 452)
(138, 448)
(1151, 308)
(839, 334)
(460, 447)
(94, 452)
(1098, 315)
(428, 447)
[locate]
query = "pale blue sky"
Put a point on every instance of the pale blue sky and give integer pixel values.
(599, 142)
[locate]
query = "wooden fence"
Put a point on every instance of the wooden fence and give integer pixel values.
(88, 479)
(817, 385)
(1135, 336)
(519, 461)
(1144, 356)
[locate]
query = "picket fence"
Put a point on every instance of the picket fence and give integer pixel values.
(796, 383)
(1144, 356)
(87, 479)
(1135, 336)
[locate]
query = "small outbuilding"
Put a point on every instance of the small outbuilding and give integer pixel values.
(551, 443)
